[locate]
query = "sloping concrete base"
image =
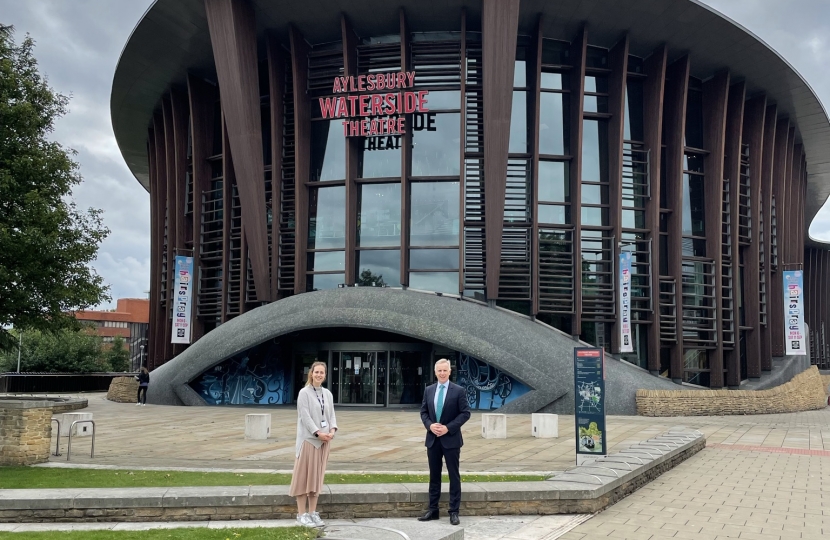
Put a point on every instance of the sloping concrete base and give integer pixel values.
(388, 529)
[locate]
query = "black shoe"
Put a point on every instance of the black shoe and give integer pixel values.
(454, 518)
(430, 515)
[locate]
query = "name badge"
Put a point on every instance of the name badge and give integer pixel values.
(324, 424)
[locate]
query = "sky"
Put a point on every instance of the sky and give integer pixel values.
(78, 43)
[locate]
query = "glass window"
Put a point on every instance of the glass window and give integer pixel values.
(594, 194)
(554, 81)
(694, 117)
(328, 151)
(379, 215)
(435, 212)
(378, 267)
(433, 259)
(633, 219)
(555, 52)
(327, 217)
(554, 214)
(436, 149)
(595, 104)
(633, 129)
(443, 100)
(554, 182)
(318, 282)
(553, 124)
(596, 57)
(594, 217)
(380, 157)
(520, 72)
(320, 261)
(446, 282)
(595, 150)
(596, 84)
(518, 123)
(693, 206)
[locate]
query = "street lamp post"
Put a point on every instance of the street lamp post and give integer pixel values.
(19, 348)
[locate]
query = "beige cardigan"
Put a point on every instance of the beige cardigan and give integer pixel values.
(310, 418)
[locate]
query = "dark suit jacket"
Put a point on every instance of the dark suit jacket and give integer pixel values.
(455, 413)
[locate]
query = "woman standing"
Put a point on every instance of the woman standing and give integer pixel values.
(143, 384)
(316, 426)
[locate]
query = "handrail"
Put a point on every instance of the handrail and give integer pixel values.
(58, 441)
(69, 446)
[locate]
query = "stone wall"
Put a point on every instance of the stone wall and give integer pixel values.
(805, 392)
(25, 432)
(123, 390)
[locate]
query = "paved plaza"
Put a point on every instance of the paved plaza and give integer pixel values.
(760, 477)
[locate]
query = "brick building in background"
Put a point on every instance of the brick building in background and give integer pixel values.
(130, 320)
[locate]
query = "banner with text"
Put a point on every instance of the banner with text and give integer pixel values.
(182, 294)
(589, 401)
(795, 339)
(626, 346)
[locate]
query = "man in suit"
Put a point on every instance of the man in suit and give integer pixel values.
(443, 411)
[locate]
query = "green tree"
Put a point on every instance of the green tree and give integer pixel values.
(61, 351)
(46, 243)
(117, 355)
(368, 279)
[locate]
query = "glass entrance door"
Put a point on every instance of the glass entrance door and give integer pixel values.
(408, 373)
(358, 376)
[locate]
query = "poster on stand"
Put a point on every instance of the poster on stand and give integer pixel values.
(626, 346)
(182, 294)
(589, 402)
(795, 338)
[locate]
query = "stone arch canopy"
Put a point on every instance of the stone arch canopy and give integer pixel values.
(537, 355)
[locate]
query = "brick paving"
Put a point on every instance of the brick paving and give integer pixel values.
(761, 476)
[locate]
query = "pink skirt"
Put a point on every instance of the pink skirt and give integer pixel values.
(309, 470)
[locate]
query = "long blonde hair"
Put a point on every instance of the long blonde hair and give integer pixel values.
(311, 371)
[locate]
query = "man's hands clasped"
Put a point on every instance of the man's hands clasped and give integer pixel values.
(438, 429)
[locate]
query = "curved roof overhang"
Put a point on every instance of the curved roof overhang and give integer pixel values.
(537, 355)
(172, 39)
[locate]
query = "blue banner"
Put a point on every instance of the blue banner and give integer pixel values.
(589, 401)
(795, 338)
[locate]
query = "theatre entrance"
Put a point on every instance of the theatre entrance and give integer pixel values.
(370, 374)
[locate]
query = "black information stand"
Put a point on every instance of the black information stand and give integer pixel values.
(589, 402)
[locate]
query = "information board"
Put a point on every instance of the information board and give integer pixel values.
(589, 401)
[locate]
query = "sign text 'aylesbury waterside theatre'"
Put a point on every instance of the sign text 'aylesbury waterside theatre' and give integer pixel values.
(379, 111)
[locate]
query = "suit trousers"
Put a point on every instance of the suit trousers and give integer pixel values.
(451, 456)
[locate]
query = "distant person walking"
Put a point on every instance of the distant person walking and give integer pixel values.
(143, 383)
(316, 426)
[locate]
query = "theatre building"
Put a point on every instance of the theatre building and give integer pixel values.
(490, 181)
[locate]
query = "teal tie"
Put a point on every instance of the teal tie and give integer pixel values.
(440, 406)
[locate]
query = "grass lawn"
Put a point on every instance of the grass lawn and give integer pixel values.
(202, 533)
(43, 477)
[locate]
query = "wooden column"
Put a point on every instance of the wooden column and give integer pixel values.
(793, 212)
(753, 135)
(233, 36)
(754, 366)
(715, 96)
(155, 258)
(499, 29)
(406, 152)
(160, 196)
(302, 157)
(352, 156)
(276, 83)
(674, 117)
(779, 177)
(202, 96)
(578, 53)
(534, 66)
(462, 136)
(732, 172)
(785, 215)
(228, 179)
(618, 60)
(653, 86)
(180, 111)
(172, 233)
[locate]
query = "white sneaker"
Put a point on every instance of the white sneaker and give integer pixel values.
(143, 404)
(315, 518)
(137, 404)
(304, 520)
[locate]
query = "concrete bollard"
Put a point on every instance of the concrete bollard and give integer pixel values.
(544, 426)
(494, 426)
(257, 426)
(81, 430)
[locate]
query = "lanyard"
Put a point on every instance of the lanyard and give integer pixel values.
(321, 399)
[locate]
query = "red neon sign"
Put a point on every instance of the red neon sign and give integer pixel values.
(377, 113)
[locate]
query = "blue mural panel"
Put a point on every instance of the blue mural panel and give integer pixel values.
(487, 387)
(258, 376)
